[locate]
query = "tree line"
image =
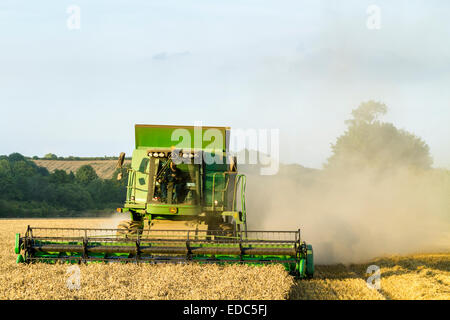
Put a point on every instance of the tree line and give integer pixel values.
(52, 156)
(27, 189)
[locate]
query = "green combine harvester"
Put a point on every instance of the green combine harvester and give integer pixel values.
(186, 202)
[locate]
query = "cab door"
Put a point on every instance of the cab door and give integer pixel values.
(138, 183)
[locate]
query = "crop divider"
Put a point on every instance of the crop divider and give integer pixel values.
(188, 248)
(138, 248)
(85, 249)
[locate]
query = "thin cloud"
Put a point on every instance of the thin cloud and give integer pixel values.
(165, 56)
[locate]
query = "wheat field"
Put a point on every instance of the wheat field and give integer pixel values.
(104, 168)
(421, 276)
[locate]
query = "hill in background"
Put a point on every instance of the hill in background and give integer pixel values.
(104, 168)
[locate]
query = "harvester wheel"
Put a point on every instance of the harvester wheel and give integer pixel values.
(123, 227)
(309, 261)
(227, 228)
(135, 227)
(127, 227)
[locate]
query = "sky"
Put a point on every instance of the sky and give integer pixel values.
(297, 66)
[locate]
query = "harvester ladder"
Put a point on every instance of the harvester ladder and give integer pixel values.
(242, 180)
(239, 181)
(222, 191)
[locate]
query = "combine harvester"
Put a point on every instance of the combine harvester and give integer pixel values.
(186, 203)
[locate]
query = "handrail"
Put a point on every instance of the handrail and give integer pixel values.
(242, 179)
(214, 187)
(131, 186)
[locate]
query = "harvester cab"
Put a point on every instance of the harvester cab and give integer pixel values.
(180, 185)
(186, 203)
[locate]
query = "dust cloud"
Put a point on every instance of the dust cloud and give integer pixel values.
(113, 221)
(351, 217)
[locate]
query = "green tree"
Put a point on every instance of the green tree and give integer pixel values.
(72, 196)
(367, 113)
(368, 142)
(60, 176)
(85, 174)
(51, 156)
(15, 157)
(29, 190)
(6, 180)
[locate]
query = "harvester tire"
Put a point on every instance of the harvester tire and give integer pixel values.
(228, 229)
(309, 261)
(123, 228)
(127, 227)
